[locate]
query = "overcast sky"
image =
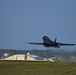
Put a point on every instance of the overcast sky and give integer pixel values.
(30, 20)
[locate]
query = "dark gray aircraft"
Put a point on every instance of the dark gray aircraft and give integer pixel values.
(49, 43)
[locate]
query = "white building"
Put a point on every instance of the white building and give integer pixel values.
(28, 57)
(34, 58)
(16, 57)
(23, 57)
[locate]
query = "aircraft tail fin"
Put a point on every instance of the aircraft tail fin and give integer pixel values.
(55, 39)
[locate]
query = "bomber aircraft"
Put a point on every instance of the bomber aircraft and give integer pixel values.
(49, 43)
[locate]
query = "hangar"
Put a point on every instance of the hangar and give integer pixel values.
(34, 58)
(27, 57)
(16, 57)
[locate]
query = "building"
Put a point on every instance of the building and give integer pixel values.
(16, 57)
(26, 57)
(34, 58)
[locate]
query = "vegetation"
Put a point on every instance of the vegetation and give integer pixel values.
(62, 55)
(37, 68)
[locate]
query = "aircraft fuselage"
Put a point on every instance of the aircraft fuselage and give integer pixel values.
(49, 43)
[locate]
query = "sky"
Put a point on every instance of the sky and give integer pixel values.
(30, 20)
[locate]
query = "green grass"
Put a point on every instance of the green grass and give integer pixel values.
(37, 68)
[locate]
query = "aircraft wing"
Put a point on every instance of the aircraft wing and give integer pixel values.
(34, 43)
(64, 44)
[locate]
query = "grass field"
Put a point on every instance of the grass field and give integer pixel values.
(37, 68)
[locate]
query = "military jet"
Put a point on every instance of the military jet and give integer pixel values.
(49, 43)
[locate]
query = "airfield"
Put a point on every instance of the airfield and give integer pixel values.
(37, 68)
